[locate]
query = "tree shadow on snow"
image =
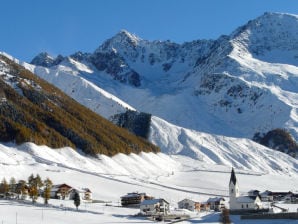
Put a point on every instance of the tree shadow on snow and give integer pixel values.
(211, 218)
(130, 218)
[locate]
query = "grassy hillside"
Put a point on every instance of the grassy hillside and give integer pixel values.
(34, 110)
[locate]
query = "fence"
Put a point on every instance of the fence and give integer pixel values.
(288, 215)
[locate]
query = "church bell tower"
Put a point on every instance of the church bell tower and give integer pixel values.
(233, 189)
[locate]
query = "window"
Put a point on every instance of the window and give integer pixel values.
(232, 190)
(242, 206)
(246, 205)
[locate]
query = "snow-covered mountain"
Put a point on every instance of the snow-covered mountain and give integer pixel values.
(235, 86)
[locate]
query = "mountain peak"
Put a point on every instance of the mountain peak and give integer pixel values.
(123, 39)
(271, 21)
(127, 36)
(269, 34)
(272, 15)
(46, 60)
(42, 59)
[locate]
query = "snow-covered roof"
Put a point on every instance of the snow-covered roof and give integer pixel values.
(246, 199)
(186, 199)
(153, 201)
(253, 191)
(133, 194)
(61, 185)
(215, 199)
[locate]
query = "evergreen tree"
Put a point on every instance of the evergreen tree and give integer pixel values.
(47, 190)
(77, 200)
(38, 182)
(33, 190)
(4, 187)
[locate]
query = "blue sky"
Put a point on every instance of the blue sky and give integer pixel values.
(66, 26)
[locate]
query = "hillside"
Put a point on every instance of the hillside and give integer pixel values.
(32, 110)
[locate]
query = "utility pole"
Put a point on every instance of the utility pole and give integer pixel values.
(41, 214)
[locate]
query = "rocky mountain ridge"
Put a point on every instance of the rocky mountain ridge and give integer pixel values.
(237, 85)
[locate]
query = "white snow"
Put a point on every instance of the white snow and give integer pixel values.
(85, 92)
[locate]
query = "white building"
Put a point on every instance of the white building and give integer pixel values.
(154, 207)
(237, 202)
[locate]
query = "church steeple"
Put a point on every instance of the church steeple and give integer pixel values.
(233, 186)
(233, 177)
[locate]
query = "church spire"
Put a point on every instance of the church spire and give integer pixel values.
(233, 177)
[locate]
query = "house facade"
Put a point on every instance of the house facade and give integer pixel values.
(60, 191)
(134, 199)
(84, 193)
(189, 205)
(242, 203)
(154, 207)
(217, 203)
(204, 206)
(65, 191)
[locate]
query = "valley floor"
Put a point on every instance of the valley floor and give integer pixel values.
(170, 177)
(64, 212)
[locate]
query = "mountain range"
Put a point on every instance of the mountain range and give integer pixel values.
(238, 85)
(206, 99)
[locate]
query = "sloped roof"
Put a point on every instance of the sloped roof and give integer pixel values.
(254, 191)
(215, 199)
(132, 195)
(61, 185)
(186, 199)
(246, 199)
(153, 201)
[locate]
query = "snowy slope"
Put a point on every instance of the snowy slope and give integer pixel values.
(214, 149)
(147, 169)
(85, 92)
(208, 148)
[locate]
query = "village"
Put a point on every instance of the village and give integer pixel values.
(253, 205)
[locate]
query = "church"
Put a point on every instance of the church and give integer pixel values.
(240, 203)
